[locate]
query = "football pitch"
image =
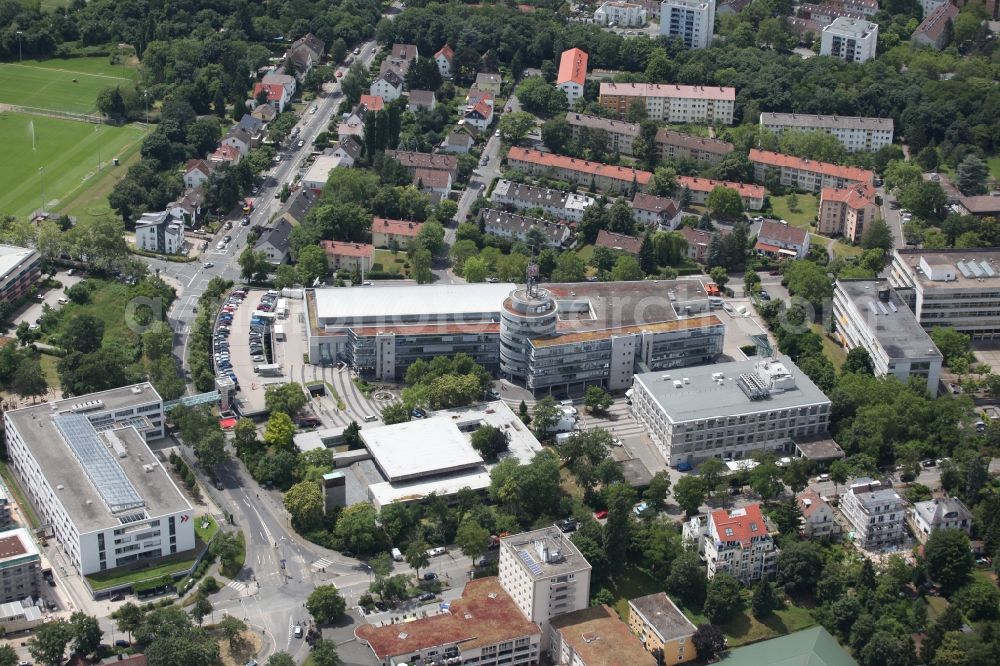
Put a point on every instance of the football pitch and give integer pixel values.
(66, 151)
(61, 85)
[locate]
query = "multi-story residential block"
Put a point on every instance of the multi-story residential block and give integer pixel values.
(516, 227)
(804, 174)
(929, 6)
(277, 95)
(594, 636)
(288, 82)
(621, 14)
(700, 188)
(938, 514)
(160, 232)
(729, 410)
(876, 513)
(662, 628)
(484, 626)
(737, 542)
(619, 242)
(693, 21)
(6, 518)
(653, 211)
(673, 145)
(869, 315)
(818, 521)
(956, 288)
(386, 233)
(388, 86)
(20, 566)
(85, 465)
(348, 256)
(652, 8)
(826, 14)
(933, 30)
(443, 58)
(560, 205)
(412, 161)
(864, 7)
(782, 240)
(856, 134)
(847, 211)
(672, 103)
(545, 574)
(620, 134)
(851, 40)
(572, 74)
(592, 175)
(20, 268)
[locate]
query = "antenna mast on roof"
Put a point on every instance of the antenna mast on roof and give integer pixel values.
(532, 276)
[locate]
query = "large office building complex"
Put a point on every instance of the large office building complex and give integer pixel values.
(672, 103)
(562, 336)
(545, 574)
(729, 410)
(869, 315)
(850, 39)
(955, 288)
(85, 465)
(854, 133)
(693, 21)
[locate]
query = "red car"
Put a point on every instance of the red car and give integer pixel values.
(601, 515)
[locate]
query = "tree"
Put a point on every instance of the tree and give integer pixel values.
(569, 268)
(720, 276)
(596, 399)
(764, 601)
(664, 181)
(472, 538)
(48, 645)
(546, 415)
(325, 604)
(8, 657)
(395, 412)
(281, 659)
(556, 134)
(627, 269)
(324, 653)
(978, 600)
(475, 270)
(417, 557)
(29, 380)
(724, 598)
(858, 361)
(85, 633)
(725, 202)
(877, 235)
(972, 174)
(799, 566)
(279, 431)
(656, 492)
(712, 472)
(304, 501)
(809, 281)
(924, 198)
(311, 264)
(839, 473)
(787, 517)
(211, 448)
(709, 642)
(128, 618)
(687, 580)
(949, 559)
(245, 435)
(228, 547)
(952, 344)
(490, 441)
(232, 628)
(421, 261)
(540, 97)
(201, 609)
(690, 493)
(515, 126)
(287, 398)
(83, 333)
(620, 498)
(357, 528)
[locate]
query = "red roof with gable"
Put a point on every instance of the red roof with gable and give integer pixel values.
(707, 185)
(825, 168)
(200, 165)
(275, 91)
(594, 168)
(447, 52)
(739, 525)
(372, 102)
(573, 66)
(856, 197)
(397, 227)
(226, 152)
(341, 249)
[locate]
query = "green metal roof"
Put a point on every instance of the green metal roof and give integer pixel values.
(809, 647)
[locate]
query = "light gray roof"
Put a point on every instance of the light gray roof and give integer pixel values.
(936, 511)
(891, 322)
(700, 396)
(870, 492)
(403, 304)
(520, 224)
(811, 121)
(529, 547)
(540, 196)
(443, 449)
(660, 612)
(606, 124)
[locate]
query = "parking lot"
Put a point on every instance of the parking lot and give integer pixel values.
(51, 297)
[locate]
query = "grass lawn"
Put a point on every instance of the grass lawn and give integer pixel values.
(936, 606)
(48, 364)
(27, 510)
(90, 201)
(67, 150)
(631, 583)
(808, 207)
(385, 260)
(745, 628)
(994, 165)
(833, 351)
(839, 249)
(208, 531)
(107, 303)
(48, 84)
(105, 579)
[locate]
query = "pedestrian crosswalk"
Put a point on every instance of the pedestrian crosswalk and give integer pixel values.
(322, 563)
(236, 585)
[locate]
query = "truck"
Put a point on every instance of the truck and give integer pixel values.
(268, 369)
(397, 555)
(279, 333)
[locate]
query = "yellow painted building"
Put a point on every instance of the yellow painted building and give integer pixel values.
(660, 625)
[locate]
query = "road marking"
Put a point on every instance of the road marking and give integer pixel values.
(322, 563)
(236, 585)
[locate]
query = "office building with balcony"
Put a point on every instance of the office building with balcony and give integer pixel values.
(729, 410)
(850, 39)
(876, 512)
(692, 21)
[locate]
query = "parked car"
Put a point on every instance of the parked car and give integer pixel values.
(430, 575)
(601, 515)
(426, 596)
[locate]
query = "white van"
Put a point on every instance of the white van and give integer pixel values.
(397, 555)
(370, 418)
(434, 552)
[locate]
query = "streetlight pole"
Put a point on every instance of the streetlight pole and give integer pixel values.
(19, 33)
(41, 181)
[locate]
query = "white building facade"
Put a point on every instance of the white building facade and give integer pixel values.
(851, 40)
(856, 134)
(877, 514)
(693, 21)
(620, 14)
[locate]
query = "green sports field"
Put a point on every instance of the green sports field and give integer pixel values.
(68, 152)
(49, 84)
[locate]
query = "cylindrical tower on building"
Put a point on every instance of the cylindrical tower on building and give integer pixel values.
(528, 313)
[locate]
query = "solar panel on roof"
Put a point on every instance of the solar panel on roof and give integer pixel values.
(974, 267)
(530, 562)
(105, 474)
(964, 269)
(987, 269)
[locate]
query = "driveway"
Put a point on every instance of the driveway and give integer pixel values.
(31, 312)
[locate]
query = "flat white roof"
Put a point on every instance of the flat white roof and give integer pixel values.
(321, 168)
(11, 256)
(522, 443)
(420, 448)
(382, 494)
(425, 301)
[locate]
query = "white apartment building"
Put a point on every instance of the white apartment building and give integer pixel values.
(818, 520)
(851, 40)
(516, 227)
(561, 205)
(869, 315)
(572, 76)
(938, 514)
(20, 566)
(160, 232)
(86, 467)
(691, 20)
(620, 14)
(877, 514)
(545, 574)
(804, 174)
(956, 288)
(729, 410)
(673, 103)
(855, 133)
(737, 542)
